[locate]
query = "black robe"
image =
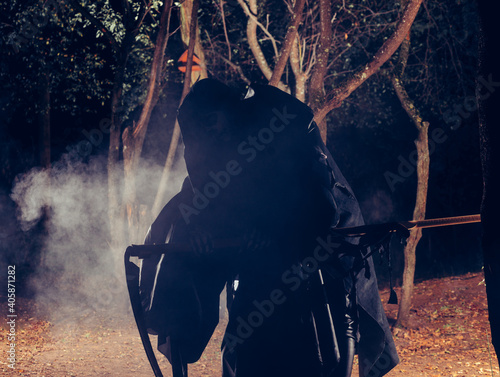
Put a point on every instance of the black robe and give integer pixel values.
(284, 183)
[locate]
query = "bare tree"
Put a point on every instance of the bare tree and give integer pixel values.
(290, 39)
(129, 143)
(190, 31)
(320, 40)
(312, 50)
(316, 85)
(335, 97)
(423, 157)
(133, 136)
(122, 49)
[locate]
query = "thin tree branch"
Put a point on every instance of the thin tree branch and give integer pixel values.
(316, 85)
(251, 12)
(291, 34)
(237, 68)
(221, 7)
(143, 12)
(381, 56)
(139, 132)
(253, 42)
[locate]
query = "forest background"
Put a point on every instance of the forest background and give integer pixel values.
(88, 99)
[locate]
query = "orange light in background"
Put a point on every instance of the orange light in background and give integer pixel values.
(183, 63)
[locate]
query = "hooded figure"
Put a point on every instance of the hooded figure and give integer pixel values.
(259, 171)
(180, 293)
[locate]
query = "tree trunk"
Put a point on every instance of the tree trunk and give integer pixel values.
(44, 145)
(189, 79)
(316, 86)
(132, 22)
(422, 144)
(45, 121)
(300, 75)
(489, 98)
(114, 172)
(121, 53)
(159, 201)
(186, 14)
(288, 43)
(251, 10)
(133, 136)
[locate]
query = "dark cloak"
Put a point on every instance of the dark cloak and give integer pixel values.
(300, 193)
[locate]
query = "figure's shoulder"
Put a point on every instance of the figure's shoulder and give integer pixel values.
(273, 96)
(263, 103)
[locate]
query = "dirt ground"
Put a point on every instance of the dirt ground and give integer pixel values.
(448, 336)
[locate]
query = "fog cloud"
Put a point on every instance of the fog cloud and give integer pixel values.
(79, 272)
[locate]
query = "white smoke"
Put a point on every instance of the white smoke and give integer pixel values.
(79, 273)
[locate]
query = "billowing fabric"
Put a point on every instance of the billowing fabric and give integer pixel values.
(258, 166)
(179, 293)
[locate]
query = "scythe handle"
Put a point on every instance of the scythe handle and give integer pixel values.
(132, 275)
(143, 251)
(445, 221)
(358, 231)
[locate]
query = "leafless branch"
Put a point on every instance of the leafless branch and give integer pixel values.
(339, 94)
(300, 76)
(237, 68)
(221, 9)
(252, 38)
(286, 49)
(322, 54)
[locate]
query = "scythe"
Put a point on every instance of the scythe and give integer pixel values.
(370, 233)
